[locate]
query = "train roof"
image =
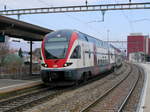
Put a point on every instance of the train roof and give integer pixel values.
(115, 48)
(73, 30)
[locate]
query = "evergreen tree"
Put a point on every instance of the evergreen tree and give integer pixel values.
(20, 53)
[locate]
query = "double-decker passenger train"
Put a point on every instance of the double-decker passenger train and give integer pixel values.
(69, 55)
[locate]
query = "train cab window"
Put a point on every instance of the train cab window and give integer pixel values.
(76, 53)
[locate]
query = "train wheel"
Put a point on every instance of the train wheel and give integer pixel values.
(89, 74)
(77, 82)
(45, 77)
(115, 69)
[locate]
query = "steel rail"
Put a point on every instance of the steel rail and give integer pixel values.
(30, 102)
(22, 100)
(16, 96)
(82, 8)
(128, 96)
(105, 94)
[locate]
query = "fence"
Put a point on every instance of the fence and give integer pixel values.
(18, 72)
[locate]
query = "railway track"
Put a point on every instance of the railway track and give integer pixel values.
(15, 103)
(34, 98)
(38, 96)
(108, 101)
(76, 99)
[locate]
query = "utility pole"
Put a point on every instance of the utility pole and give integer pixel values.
(86, 2)
(103, 15)
(30, 72)
(5, 7)
(18, 16)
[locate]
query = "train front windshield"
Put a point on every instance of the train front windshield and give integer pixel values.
(56, 44)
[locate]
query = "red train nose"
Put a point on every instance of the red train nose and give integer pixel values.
(55, 63)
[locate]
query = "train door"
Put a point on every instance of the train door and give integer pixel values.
(95, 55)
(76, 55)
(79, 50)
(86, 55)
(83, 54)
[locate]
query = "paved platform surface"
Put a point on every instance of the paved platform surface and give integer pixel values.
(145, 99)
(8, 85)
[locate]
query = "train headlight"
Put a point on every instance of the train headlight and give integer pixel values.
(44, 65)
(67, 64)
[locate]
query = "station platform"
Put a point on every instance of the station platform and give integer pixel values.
(145, 97)
(10, 85)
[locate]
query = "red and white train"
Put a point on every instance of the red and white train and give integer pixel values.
(69, 55)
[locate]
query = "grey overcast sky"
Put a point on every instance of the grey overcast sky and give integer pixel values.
(119, 23)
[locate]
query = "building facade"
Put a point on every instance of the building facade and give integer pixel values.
(138, 47)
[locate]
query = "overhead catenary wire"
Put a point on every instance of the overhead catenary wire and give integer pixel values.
(85, 24)
(44, 3)
(4, 5)
(75, 18)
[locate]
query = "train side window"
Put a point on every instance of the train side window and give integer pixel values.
(82, 37)
(86, 38)
(111, 55)
(76, 53)
(89, 53)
